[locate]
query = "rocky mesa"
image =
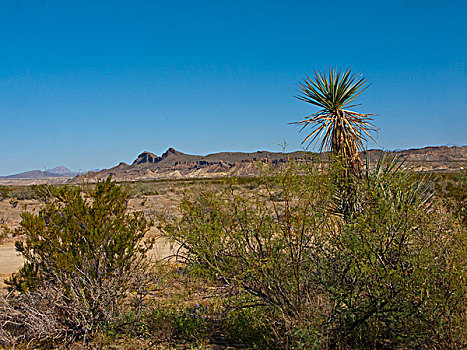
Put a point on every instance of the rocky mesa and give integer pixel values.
(174, 164)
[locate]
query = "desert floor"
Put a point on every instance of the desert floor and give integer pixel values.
(153, 204)
(154, 198)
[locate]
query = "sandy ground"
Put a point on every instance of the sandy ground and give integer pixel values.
(10, 262)
(28, 182)
(10, 217)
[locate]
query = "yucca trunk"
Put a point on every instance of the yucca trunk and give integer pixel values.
(344, 147)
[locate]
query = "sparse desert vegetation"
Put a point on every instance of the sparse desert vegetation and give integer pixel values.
(266, 262)
(337, 255)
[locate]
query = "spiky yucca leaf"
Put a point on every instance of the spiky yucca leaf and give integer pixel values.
(334, 127)
(416, 192)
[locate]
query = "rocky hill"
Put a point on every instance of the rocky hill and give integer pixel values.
(176, 165)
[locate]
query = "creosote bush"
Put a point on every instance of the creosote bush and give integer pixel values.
(392, 275)
(85, 257)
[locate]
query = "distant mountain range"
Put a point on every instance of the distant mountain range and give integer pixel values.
(59, 171)
(174, 164)
(177, 165)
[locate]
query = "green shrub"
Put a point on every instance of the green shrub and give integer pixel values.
(85, 256)
(389, 276)
(453, 189)
(249, 327)
(4, 192)
(400, 277)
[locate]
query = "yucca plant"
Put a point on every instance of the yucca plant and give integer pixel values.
(334, 127)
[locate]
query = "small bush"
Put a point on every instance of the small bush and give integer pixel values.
(85, 257)
(4, 192)
(453, 189)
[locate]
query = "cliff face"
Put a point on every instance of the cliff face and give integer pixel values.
(148, 157)
(174, 164)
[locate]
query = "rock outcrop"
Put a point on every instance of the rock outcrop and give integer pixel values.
(175, 164)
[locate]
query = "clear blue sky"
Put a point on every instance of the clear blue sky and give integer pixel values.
(87, 84)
